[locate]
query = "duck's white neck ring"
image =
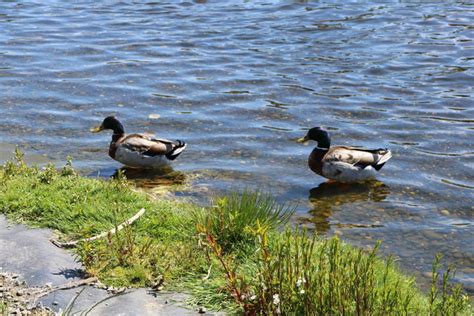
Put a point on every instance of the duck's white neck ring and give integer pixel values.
(322, 148)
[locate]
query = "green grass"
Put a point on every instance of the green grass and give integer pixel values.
(235, 255)
(3, 308)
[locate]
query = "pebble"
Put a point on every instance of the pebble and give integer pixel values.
(444, 212)
(55, 303)
(458, 255)
(433, 234)
(201, 310)
(427, 274)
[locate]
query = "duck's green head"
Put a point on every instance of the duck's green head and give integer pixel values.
(319, 135)
(110, 122)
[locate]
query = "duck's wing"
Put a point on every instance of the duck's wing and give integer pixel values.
(152, 146)
(143, 144)
(175, 147)
(358, 157)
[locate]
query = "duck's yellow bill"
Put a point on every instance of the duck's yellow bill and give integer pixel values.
(302, 139)
(96, 129)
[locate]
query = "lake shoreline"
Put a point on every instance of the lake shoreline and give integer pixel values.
(180, 246)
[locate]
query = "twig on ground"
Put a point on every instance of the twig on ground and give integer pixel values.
(72, 244)
(208, 273)
(66, 286)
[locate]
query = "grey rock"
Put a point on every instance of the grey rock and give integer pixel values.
(29, 252)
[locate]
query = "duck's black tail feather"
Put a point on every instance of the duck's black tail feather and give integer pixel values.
(385, 155)
(179, 147)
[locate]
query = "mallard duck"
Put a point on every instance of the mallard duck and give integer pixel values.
(341, 163)
(139, 150)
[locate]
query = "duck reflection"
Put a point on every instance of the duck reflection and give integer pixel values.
(330, 195)
(150, 178)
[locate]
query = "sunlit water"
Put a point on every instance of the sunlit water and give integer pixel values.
(239, 81)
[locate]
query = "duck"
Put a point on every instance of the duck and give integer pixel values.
(139, 150)
(341, 163)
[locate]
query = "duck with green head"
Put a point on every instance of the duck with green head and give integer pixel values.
(342, 163)
(139, 150)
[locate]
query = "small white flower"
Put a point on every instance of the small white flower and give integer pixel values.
(300, 282)
(302, 292)
(276, 299)
(253, 297)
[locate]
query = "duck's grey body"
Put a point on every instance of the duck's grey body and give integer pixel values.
(134, 159)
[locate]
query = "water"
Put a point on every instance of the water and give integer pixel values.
(241, 80)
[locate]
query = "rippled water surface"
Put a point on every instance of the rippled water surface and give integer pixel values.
(239, 81)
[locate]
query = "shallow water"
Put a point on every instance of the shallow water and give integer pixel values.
(241, 80)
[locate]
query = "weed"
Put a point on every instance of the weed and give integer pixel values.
(294, 273)
(452, 300)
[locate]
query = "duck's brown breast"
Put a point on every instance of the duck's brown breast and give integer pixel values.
(116, 138)
(112, 149)
(315, 160)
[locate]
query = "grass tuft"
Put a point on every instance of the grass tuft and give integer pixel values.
(232, 217)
